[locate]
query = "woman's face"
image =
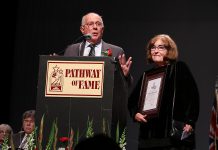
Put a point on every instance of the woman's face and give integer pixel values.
(3, 133)
(158, 52)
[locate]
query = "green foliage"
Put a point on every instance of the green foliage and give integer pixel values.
(55, 136)
(31, 140)
(51, 136)
(40, 137)
(70, 142)
(122, 141)
(105, 127)
(117, 133)
(5, 143)
(52, 141)
(77, 137)
(89, 132)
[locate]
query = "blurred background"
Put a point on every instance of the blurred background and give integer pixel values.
(41, 27)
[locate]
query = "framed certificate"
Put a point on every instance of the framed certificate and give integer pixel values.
(151, 92)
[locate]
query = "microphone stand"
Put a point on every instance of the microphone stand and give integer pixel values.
(81, 38)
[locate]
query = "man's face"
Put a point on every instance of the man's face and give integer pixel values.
(28, 125)
(93, 26)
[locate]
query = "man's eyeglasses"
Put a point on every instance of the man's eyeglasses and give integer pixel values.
(159, 47)
(28, 121)
(91, 24)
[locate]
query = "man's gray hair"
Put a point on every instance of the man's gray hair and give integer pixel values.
(83, 22)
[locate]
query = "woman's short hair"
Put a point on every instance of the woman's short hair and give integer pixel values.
(169, 44)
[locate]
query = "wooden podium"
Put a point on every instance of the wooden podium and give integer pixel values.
(73, 90)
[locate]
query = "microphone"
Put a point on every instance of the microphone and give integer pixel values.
(81, 38)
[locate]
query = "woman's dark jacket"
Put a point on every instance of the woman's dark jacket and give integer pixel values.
(186, 105)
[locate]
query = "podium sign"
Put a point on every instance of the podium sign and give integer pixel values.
(73, 90)
(75, 79)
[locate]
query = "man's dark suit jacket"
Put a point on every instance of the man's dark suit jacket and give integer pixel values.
(17, 138)
(78, 49)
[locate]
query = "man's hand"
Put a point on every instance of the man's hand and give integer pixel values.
(125, 65)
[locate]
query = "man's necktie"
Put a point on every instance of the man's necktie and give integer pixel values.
(92, 50)
(24, 142)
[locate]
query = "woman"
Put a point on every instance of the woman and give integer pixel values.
(5, 135)
(179, 99)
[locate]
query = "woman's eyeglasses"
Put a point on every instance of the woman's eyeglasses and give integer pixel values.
(159, 47)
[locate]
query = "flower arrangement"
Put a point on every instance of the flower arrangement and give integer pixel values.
(64, 143)
(122, 140)
(5, 144)
(34, 141)
(31, 142)
(108, 52)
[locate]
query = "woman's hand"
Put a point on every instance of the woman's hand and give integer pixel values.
(188, 128)
(140, 118)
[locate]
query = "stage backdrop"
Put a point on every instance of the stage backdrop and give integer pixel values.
(44, 27)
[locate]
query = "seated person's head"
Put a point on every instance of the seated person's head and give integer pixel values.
(29, 121)
(5, 132)
(98, 141)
